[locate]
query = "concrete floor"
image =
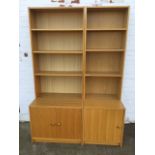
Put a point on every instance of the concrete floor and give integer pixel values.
(28, 148)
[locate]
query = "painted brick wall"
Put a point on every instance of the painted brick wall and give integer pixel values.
(25, 63)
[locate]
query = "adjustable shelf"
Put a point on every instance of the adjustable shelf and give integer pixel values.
(58, 100)
(55, 30)
(106, 101)
(58, 52)
(105, 50)
(57, 18)
(107, 29)
(107, 18)
(58, 73)
(103, 74)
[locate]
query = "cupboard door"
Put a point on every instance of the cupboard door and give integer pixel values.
(56, 124)
(69, 123)
(42, 122)
(103, 126)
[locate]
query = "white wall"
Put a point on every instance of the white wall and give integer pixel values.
(25, 64)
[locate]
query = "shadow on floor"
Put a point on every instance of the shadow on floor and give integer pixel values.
(26, 147)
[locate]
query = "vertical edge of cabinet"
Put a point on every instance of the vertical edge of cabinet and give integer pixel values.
(31, 46)
(123, 126)
(30, 123)
(84, 68)
(125, 49)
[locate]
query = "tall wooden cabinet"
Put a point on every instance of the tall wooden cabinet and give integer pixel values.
(78, 57)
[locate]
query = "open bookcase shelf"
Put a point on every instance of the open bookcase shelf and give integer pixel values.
(107, 19)
(59, 52)
(58, 73)
(57, 19)
(71, 100)
(48, 30)
(105, 40)
(78, 59)
(53, 40)
(107, 29)
(105, 50)
(103, 74)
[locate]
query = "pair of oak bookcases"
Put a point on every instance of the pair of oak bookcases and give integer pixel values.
(78, 57)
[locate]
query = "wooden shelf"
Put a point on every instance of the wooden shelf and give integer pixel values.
(58, 100)
(54, 30)
(58, 52)
(101, 97)
(107, 29)
(103, 101)
(103, 74)
(58, 73)
(105, 39)
(107, 101)
(57, 41)
(105, 50)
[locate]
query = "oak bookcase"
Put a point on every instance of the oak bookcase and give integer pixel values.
(78, 57)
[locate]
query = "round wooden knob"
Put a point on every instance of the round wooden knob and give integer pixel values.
(59, 124)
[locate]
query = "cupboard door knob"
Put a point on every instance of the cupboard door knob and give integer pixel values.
(118, 127)
(59, 124)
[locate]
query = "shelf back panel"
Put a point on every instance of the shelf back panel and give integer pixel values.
(57, 19)
(107, 18)
(105, 40)
(60, 84)
(47, 41)
(104, 62)
(60, 62)
(102, 85)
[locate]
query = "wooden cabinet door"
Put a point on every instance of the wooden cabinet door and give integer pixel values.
(69, 123)
(56, 124)
(103, 126)
(42, 120)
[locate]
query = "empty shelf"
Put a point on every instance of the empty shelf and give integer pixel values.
(58, 73)
(107, 29)
(56, 30)
(58, 100)
(103, 101)
(105, 50)
(103, 74)
(58, 52)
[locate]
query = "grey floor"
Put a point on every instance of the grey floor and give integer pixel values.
(28, 148)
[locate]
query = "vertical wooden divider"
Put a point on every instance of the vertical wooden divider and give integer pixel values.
(121, 85)
(124, 53)
(84, 68)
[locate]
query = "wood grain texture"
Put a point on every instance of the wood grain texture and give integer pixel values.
(56, 62)
(59, 52)
(107, 18)
(106, 62)
(59, 73)
(61, 84)
(103, 126)
(78, 59)
(96, 50)
(55, 123)
(102, 85)
(58, 19)
(104, 40)
(57, 41)
(58, 100)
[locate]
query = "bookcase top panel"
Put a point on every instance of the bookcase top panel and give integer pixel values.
(80, 7)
